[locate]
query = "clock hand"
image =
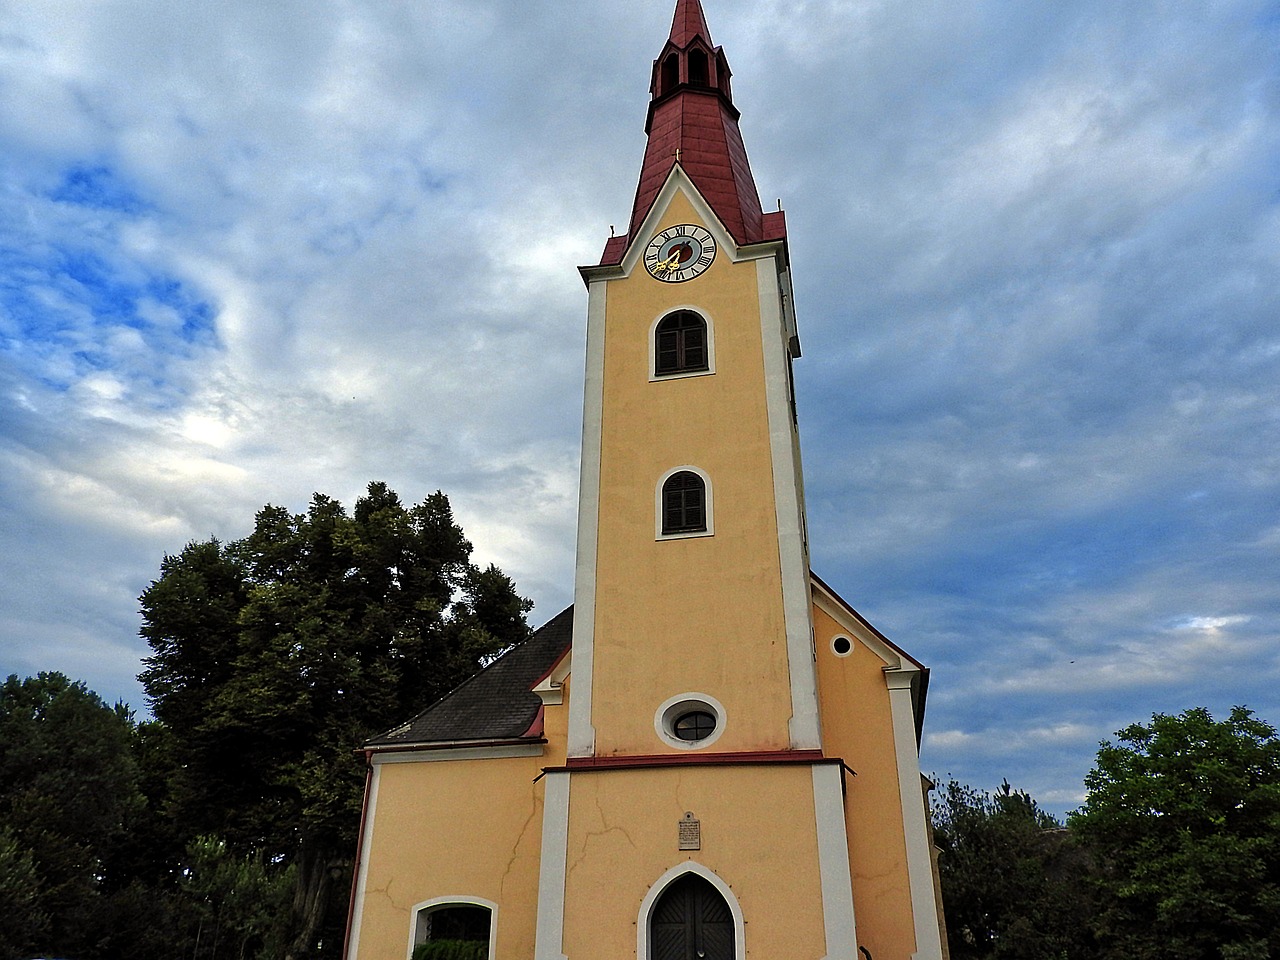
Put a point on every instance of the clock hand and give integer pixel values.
(669, 264)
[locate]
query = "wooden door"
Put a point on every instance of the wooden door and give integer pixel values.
(691, 921)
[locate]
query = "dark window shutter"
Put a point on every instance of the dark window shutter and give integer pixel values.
(684, 503)
(680, 344)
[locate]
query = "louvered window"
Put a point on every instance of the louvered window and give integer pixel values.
(684, 503)
(681, 345)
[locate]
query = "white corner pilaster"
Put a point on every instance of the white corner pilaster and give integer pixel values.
(549, 935)
(804, 726)
(582, 734)
(366, 846)
(915, 829)
(833, 863)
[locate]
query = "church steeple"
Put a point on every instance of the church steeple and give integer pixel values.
(689, 22)
(692, 121)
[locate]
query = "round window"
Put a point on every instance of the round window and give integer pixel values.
(694, 725)
(689, 721)
(841, 646)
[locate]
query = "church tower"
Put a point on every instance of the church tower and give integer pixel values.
(692, 562)
(710, 754)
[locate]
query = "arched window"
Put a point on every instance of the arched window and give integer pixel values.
(684, 503)
(452, 930)
(691, 919)
(698, 68)
(680, 344)
(670, 74)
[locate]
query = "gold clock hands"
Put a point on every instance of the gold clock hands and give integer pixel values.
(669, 264)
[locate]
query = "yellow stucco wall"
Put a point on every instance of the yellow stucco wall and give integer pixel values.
(701, 614)
(857, 726)
(758, 836)
(453, 828)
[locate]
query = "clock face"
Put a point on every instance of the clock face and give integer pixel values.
(679, 253)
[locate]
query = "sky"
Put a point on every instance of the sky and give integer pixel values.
(253, 250)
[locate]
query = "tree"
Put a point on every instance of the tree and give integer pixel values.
(1184, 814)
(239, 907)
(68, 793)
(1011, 877)
(274, 657)
(23, 925)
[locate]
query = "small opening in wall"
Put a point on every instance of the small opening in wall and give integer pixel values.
(695, 725)
(842, 646)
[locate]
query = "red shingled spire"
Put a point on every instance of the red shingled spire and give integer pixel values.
(688, 23)
(692, 118)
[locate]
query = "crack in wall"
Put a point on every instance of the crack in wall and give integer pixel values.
(515, 849)
(595, 834)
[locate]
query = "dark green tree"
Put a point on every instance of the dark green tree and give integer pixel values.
(1012, 880)
(68, 794)
(1184, 815)
(23, 924)
(233, 906)
(275, 656)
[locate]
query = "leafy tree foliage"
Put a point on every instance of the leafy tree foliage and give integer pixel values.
(451, 950)
(273, 657)
(1011, 877)
(1184, 814)
(68, 796)
(233, 906)
(23, 925)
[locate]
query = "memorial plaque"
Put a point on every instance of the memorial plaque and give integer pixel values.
(690, 833)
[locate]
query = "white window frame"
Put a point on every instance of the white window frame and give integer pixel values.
(654, 376)
(847, 639)
(707, 505)
(438, 903)
(673, 708)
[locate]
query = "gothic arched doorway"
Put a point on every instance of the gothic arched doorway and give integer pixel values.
(691, 921)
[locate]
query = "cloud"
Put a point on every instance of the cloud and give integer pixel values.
(250, 252)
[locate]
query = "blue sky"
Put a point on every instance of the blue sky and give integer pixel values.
(250, 251)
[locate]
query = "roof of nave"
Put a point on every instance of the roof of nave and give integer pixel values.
(498, 703)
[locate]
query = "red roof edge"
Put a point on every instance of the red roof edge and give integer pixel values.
(744, 758)
(773, 226)
(614, 249)
(536, 728)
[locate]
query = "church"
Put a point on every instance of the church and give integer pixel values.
(710, 754)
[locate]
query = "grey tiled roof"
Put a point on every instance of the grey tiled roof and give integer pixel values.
(497, 703)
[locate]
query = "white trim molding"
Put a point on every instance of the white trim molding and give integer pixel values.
(441, 903)
(582, 733)
(915, 827)
(654, 376)
(833, 862)
(643, 947)
(366, 845)
(461, 752)
(677, 182)
(551, 687)
(553, 867)
(804, 726)
(708, 505)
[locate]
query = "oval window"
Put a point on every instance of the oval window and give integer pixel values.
(695, 725)
(689, 721)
